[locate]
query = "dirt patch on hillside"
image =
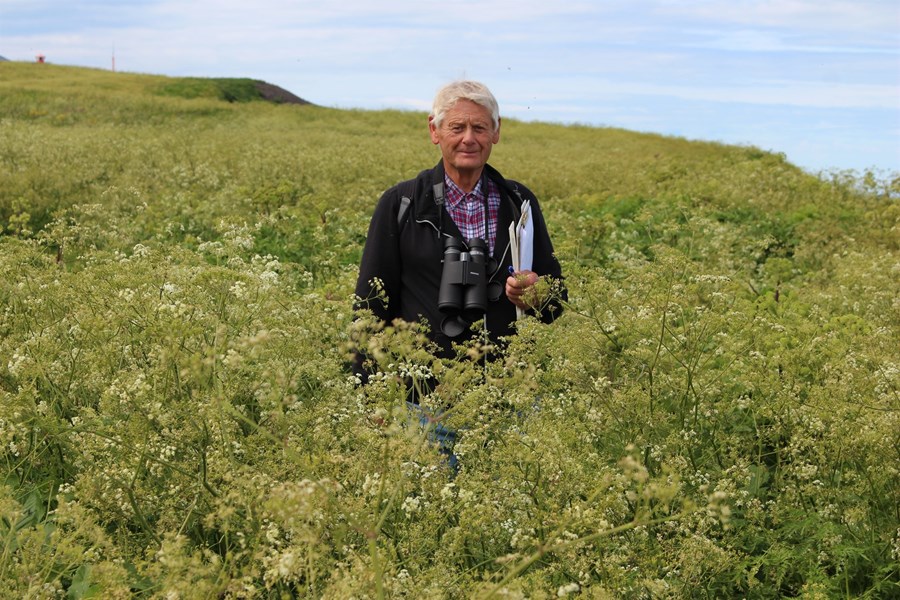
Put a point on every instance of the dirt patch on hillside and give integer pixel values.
(273, 93)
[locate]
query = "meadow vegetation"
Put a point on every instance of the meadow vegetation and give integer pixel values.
(715, 415)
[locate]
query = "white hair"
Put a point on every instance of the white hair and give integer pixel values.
(474, 91)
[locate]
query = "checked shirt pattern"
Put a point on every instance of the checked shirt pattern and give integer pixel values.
(467, 210)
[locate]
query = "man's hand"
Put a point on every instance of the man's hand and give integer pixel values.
(520, 289)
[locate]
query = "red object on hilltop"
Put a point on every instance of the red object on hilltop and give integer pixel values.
(40, 58)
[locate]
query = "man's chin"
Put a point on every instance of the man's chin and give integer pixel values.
(469, 163)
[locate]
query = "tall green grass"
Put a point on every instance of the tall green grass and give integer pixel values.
(715, 415)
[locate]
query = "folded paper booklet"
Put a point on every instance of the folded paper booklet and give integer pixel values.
(525, 235)
(521, 239)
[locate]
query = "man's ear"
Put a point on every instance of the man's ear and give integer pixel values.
(432, 130)
(496, 139)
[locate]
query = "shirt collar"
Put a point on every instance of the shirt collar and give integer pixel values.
(454, 194)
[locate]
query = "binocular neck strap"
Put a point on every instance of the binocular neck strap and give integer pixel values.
(487, 212)
(438, 189)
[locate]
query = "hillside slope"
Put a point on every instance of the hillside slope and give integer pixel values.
(229, 89)
(716, 414)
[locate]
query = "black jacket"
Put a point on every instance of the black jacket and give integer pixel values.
(407, 257)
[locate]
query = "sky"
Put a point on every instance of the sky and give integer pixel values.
(816, 80)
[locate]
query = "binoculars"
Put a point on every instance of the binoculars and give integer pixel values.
(464, 293)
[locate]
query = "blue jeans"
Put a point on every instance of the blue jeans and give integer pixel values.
(437, 433)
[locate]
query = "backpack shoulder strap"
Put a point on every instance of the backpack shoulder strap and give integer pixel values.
(407, 190)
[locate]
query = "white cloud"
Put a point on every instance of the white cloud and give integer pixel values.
(763, 92)
(788, 93)
(867, 16)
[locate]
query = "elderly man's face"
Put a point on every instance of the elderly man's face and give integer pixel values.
(465, 136)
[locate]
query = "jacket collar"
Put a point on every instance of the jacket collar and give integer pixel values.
(427, 210)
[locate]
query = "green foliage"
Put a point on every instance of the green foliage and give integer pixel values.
(715, 415)
(230, 90)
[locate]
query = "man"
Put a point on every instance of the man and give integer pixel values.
(462, 199)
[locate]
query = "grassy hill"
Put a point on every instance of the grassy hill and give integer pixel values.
(715, 415)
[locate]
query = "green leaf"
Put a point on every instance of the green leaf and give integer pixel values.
(82, 587)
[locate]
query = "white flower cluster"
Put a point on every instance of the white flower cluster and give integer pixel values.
(411, 505)
(7, 437)
(448, 492)
(17, 363)
(215, 248)
(412, 370)
(238, 238)
(238, 289)
(711, 279)
(372, 484)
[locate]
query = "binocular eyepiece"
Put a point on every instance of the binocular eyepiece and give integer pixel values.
(464, 292)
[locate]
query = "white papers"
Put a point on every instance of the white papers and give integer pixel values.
(521, 240)
(525, 232)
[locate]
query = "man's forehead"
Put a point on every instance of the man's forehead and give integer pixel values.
(465, 111)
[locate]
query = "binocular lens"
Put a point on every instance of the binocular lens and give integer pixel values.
(454, 326)
(464, 291)
(494, 291)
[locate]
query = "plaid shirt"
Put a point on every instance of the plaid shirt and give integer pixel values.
(467, 210)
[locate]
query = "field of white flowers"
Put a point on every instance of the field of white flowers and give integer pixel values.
(715, 415)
